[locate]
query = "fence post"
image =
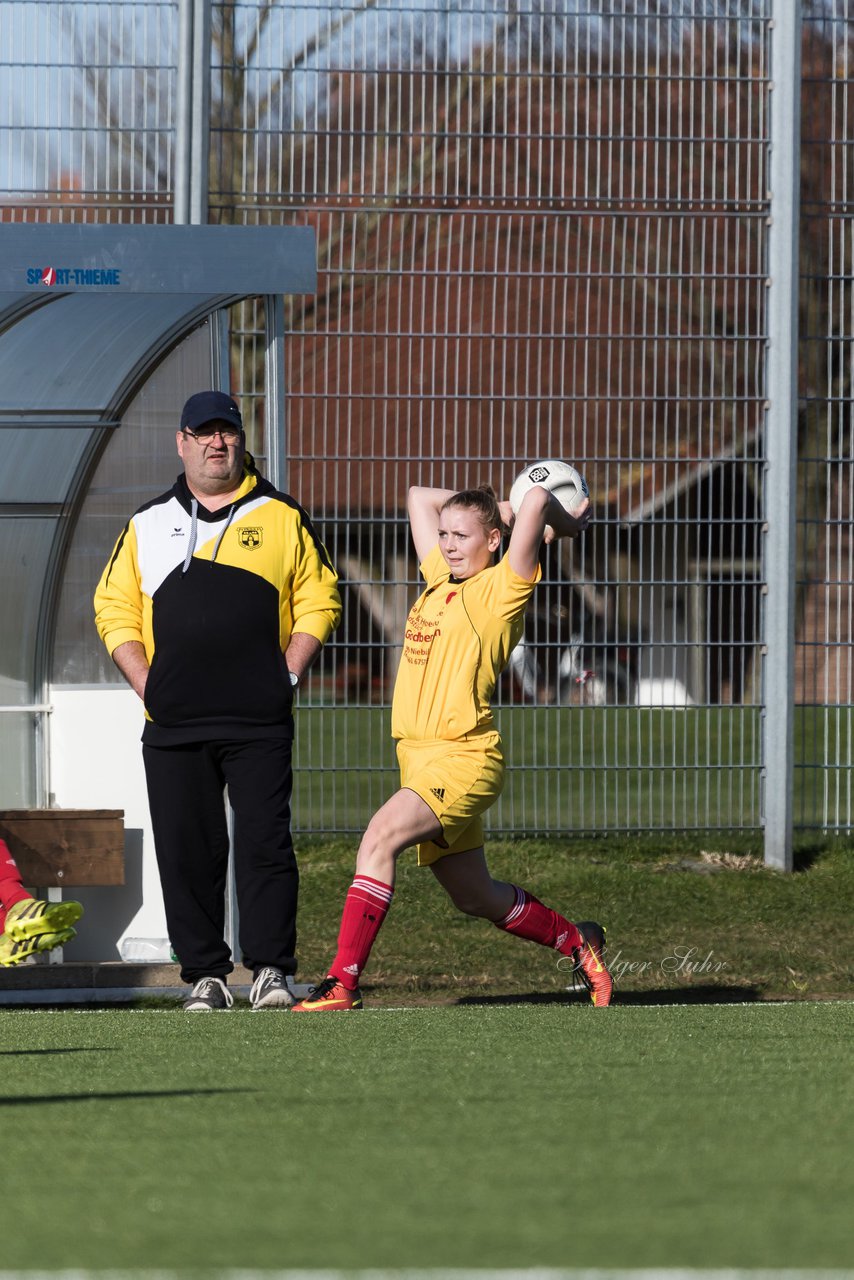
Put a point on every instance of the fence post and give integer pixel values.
(201, 109)
(192, 114)
(781, 374)
(274, 389)
(183, 116)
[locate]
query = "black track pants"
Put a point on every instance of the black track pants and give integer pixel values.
(185, 795)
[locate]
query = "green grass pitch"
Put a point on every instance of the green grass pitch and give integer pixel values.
(504, 1136)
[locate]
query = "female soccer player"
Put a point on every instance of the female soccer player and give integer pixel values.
(28, 924)
(459, 636)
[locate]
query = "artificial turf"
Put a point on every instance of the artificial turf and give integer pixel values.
(688, 919)
(480, 1136)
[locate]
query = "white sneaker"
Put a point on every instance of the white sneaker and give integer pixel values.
(208, 994)
(270, 990)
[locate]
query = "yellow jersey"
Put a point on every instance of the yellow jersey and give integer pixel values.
(459, 636)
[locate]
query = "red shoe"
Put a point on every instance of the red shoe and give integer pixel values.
(328, 996)
(589, 965)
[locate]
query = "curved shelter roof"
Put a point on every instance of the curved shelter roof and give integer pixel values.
(87, 313)
(66, 369)
(76, 353)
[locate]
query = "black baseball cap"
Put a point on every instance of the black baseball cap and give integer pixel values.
(210, 406)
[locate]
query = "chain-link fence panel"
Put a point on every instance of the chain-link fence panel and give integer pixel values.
(542, 232)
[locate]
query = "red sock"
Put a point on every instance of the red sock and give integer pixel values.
(365, 908)
(11, 888)
(529, 918)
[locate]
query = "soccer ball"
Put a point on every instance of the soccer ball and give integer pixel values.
(562, 479)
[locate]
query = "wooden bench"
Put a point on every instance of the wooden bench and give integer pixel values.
(66, 848)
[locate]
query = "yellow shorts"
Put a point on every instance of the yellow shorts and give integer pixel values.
(459, 780)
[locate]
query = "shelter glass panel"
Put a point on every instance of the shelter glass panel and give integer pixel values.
(17, 760)
(39, 463)
(26, 544)
(140, 461)
(76, 354)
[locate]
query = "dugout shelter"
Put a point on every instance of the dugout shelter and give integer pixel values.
(105, 330)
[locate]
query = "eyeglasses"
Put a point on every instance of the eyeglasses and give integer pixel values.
(228, 435)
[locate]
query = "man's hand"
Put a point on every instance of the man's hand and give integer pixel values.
(131, 661)
(301, 653)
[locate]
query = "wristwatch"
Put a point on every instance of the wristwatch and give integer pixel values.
(294, 679)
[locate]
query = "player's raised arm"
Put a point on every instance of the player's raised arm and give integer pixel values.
(423, 506)
(541, 518)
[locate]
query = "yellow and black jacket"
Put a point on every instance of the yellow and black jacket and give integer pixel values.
(215, 598)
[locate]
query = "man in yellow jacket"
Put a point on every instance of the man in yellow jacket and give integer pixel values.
(217, 598)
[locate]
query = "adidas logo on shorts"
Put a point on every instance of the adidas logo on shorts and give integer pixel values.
(438, 792)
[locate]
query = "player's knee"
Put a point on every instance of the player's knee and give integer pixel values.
(471, 904)
(378, 842)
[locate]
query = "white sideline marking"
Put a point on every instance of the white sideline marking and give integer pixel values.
(439, 1273)
(447, 1273)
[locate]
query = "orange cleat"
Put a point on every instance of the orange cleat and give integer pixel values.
(329, 996)
(589, 965)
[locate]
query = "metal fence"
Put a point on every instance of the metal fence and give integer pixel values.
(823, 684)
(543, 230)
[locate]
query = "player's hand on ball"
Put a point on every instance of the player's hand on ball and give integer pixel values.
(567, 524)
(569, 508)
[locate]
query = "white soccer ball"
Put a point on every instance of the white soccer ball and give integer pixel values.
(560, 478)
